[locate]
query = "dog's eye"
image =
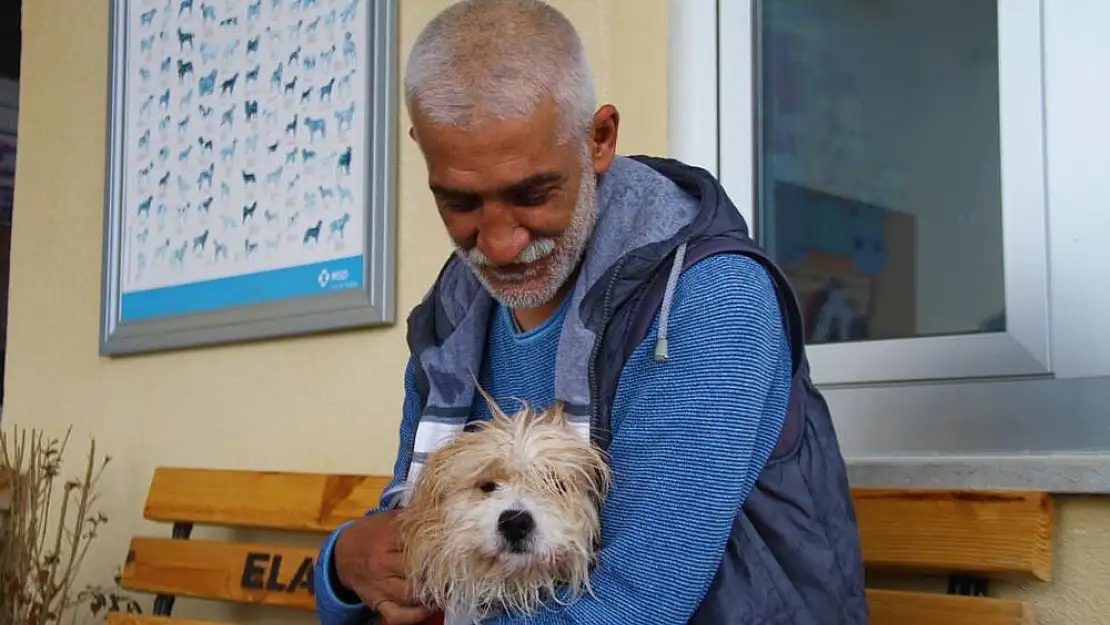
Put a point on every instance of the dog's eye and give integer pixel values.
(487, 487)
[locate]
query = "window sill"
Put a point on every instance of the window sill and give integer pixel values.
(1083, 473)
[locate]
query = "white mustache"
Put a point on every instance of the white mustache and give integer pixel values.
(538, 249)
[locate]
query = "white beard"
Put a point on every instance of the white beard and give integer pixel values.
(565, 252)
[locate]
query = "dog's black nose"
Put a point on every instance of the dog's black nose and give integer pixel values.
(515, 525)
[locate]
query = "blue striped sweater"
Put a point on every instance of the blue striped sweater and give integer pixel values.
(690, 437)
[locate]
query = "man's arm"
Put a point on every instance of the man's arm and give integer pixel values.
(690, 437)
(335, 604)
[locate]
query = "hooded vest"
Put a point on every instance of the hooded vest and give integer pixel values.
(793, 556)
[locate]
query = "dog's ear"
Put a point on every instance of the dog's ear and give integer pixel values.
(555, 414)
(601, 476)
(494, 409)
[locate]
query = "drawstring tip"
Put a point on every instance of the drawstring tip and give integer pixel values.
(661, 352)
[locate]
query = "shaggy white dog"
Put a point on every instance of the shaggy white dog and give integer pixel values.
(503, 516)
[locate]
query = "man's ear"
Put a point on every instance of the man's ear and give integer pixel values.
(603, 137)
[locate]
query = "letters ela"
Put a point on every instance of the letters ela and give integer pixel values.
(262, 571)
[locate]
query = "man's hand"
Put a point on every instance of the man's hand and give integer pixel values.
(368, 561)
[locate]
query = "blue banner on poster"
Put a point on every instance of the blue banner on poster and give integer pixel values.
(258, 288)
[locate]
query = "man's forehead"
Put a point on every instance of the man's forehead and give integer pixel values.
(495, 156)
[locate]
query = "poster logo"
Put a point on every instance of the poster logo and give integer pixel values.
(330, 276)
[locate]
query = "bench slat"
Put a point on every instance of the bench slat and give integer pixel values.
(119, 618)
(310, 502)
(892, 607)
(992, 532)
(224, 571)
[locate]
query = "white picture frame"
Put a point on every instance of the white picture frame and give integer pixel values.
(250, 171)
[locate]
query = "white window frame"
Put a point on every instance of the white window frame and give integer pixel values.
(712, 125)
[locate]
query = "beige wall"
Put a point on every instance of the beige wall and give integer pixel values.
(271, 405)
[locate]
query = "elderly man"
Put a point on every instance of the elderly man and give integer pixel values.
(628, 288)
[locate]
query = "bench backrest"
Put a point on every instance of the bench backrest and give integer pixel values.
(269, 574)
(972, 536)
(989, 534)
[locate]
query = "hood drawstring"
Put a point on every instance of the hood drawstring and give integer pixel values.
(661, 350)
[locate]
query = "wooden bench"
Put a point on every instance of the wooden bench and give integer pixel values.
(974, 534)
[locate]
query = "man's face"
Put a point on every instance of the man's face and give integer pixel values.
(519, 207)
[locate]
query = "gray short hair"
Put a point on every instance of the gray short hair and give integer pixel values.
(498, 59)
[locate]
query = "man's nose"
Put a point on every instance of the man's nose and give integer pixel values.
(503, 244)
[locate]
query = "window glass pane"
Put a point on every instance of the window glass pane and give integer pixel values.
(879, 168)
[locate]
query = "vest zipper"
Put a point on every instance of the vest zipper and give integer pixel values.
(606, 311)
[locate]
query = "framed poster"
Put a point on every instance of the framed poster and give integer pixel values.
(251, 163)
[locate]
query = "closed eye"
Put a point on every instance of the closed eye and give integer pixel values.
(532, 199)
(460, 204)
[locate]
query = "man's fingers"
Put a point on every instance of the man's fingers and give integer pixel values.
(394, 614)
(395, 590)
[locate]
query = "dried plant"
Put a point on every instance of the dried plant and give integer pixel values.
(102, 600)
(42, 549)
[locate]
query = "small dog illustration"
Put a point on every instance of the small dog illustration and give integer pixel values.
(228, 85)
(184, 68)
(184, 38)
(315, 125)
(276, 75)
(207, 83)
(274, 177)
(326, 89)
(345, 117)
(503, 515)
(343, 162)
(313, 233)
(144, 206)
(200, 241)
(345, 194)
(338, 225)
(178, 258)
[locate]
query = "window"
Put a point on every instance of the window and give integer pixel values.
(942, 169)
(889, 154)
